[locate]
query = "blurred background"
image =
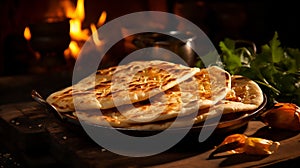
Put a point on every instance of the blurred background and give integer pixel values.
(34, 37)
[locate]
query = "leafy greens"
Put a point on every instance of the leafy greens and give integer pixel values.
(275, 68)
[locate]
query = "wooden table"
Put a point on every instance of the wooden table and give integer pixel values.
(38, 139)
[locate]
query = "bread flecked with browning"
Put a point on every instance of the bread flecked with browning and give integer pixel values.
(124, 84)
(181, 100)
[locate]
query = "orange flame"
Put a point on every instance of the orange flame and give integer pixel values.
(27, 33)
(78, 36)
(79, 11)
(76, 31)
(95, 35)
(73, 50)
(102, 19)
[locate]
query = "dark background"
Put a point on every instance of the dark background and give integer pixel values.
(256, 21)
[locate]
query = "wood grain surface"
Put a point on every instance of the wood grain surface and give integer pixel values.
(40, 140)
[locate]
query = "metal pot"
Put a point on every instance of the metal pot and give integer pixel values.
(170, 41)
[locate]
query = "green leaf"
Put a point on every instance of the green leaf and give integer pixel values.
(294, 53)
(231, 60)
(274, 68)
(229, 43)
(277, 51)
(288, 66)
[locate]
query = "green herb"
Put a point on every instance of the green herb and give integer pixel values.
(275, 68)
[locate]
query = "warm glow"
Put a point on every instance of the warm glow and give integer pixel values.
(76, 31)
(75, 26)
(79, 35)
(69, 10)
(95, 35)
(102, 19)
(27, 33)
(79, 11)
(73, 50)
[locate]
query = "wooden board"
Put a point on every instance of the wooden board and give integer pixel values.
(40, 140)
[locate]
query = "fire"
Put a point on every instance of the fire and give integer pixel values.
(78, 36)
(93, 27)
(78, 16)
(95, 35)
(102, 19)
(79, 11)
(73, 50)
(27, 33)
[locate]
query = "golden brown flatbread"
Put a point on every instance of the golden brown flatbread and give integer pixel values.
(150, 95)
(119, 85)
(206, 88)
(244, 96)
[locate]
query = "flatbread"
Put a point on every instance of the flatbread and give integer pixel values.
(119, 85)
(150, 95)
(181, 100)
(245, 95)
(161, 107)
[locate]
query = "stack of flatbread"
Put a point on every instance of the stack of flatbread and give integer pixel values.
(154, 95)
